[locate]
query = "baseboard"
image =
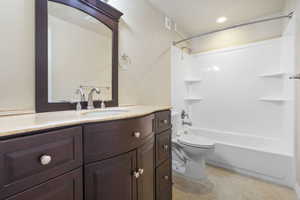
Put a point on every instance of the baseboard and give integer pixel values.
(297, 190)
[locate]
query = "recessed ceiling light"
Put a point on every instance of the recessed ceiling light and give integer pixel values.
(221, 20)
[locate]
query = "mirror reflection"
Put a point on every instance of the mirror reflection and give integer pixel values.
(79, 55)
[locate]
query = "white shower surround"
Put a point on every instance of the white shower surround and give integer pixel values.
(231, 110)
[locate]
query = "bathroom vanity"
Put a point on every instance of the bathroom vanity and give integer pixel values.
(108, 158)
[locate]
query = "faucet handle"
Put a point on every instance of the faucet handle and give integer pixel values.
(78, 104)
(80, 91)
(184, 114)
(103, 104)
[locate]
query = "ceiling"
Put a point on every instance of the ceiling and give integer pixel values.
(196, 16)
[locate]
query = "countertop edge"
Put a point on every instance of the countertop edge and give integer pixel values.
(81, 121)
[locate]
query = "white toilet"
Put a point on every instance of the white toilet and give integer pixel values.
(189, 150)
(192, 150)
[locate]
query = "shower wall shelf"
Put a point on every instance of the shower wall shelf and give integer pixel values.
(273, 75)
(273, 99)
(193, 99)
(190, 81)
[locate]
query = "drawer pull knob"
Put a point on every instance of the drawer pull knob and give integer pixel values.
(137, 134)
(45, 160)
(166, 178)
(165, 121)
(141, 171)
(136, 175)
(166, 148)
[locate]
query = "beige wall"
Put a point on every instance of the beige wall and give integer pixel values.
(142, 36)
(290, 6)
(17, 54)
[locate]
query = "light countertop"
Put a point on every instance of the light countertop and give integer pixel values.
(13, 125)
(5, 113)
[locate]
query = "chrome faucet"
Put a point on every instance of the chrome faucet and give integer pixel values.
(90, 98)
(185, 115)
(187, 123)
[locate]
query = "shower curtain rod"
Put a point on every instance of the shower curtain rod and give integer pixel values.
(290, 15)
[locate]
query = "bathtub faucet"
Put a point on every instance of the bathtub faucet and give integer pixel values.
(184, 116)
(187, 123)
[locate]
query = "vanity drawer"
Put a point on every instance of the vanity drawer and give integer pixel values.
(31, 160)
(108, 139)
(163, 121)
(164, 181)
(66, 187)
(163, 147)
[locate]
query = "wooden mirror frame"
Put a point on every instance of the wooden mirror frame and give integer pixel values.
(95, 8)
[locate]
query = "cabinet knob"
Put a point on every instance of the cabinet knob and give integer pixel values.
(166, 178)
(136, 175)
(45, 160)
(141, 171)
(165, 121)
(166, 147)
(137, 134)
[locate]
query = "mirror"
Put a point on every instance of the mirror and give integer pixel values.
(76, 48)
(79, 54)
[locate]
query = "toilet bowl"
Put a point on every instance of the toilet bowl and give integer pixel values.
(192, 151)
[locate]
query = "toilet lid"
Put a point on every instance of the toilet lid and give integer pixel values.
(196, 141)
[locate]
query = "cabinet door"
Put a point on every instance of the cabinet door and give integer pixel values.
(108, 139)
(163, 121)
(163, 147)
(66, 187)
(112, 179)
(146, 167)
(164, 181)
(21, 159)
(1, 168)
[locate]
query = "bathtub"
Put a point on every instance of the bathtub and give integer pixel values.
(258, 157)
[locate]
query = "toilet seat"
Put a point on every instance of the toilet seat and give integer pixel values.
(196, 141)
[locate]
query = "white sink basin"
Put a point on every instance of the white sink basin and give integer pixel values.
(104, 113)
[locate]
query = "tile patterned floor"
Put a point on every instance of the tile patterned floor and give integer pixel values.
(226, 185)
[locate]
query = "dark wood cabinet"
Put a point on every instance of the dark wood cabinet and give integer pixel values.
(163, 161)
(163, 147)
(22, 166)
(104, 140)
(164, 181)
(129, 176)
(112, 179)
(163, 121)
(1, 168)
(65, 187)
(97, 161)
(145, 155)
